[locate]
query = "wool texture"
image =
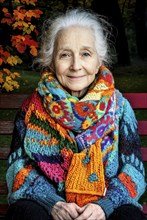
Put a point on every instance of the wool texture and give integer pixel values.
(76, 150)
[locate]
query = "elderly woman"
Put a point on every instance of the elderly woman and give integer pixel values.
(75, 151)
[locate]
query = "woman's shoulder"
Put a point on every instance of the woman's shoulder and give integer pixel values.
(123, 104)
(30, 99)
(124, 110)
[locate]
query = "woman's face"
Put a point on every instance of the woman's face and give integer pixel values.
(76, 61)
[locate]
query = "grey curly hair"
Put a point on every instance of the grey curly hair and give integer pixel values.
(74, 17)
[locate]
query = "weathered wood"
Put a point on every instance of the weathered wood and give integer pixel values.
(6, 127)
(4, 152)
(12, 101)
(3, 188)
(3, 210)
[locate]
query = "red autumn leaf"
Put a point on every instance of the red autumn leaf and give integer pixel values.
(7, 21)
(3, 56)
(30, 42)
(21, 47)
(18, 42)
(1, 61)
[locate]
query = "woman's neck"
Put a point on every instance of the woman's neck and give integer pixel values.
(79, 94)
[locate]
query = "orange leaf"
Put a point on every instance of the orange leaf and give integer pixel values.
(7, 21)
(33, 51)
(31, 2)
(16, 1)
(7, 71)
(17, 39)
(18, 15)
(6, 13)
(5, 10)
(3, 56)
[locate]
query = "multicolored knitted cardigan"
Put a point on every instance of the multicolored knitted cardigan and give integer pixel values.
(76, 150)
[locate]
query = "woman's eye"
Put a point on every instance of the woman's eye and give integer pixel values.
(65, 55)
(85, 54)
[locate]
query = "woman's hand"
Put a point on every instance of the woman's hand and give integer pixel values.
(65, 211)
(90, 212)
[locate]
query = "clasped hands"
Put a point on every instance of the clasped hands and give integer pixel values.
(71, 211)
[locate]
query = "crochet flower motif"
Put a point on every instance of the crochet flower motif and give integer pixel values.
(84, 109)
(56, 109)
(86, 124)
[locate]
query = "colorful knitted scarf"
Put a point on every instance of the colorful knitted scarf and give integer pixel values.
(64, 135)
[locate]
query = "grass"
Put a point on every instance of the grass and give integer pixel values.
(131, 78)
(28, 81)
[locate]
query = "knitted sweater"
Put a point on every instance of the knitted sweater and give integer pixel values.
(123, 169)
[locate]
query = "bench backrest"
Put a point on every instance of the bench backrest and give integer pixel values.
(14, 101)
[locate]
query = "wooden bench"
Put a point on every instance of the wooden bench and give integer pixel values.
(13, 101)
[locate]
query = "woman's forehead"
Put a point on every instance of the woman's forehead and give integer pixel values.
(75, 35)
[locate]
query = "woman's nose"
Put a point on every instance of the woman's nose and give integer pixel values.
(75, 64)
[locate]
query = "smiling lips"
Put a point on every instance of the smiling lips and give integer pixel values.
(76, 77)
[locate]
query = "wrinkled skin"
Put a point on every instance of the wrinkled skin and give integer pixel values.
(76, 61)
(71, 211)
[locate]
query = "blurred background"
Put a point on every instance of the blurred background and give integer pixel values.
(21, 23)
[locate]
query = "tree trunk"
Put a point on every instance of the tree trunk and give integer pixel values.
(141, 27)
(111, 10)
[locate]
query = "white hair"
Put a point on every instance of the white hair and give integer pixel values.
(74, 17)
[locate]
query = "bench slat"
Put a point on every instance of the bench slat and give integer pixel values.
(6, 127)
(144, 153)
(145, 208)
(4, 151)
(12, 101)
(142, 128)
(3, 209)
(137, 100)
(3, 188)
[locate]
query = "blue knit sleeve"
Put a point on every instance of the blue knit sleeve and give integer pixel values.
(24, 179)
(129, 184)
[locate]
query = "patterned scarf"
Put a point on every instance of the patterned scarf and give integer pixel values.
(65, 135)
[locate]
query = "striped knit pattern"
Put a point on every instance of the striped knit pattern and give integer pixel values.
(53, 129)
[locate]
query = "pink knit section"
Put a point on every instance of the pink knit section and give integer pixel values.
(53, 171)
